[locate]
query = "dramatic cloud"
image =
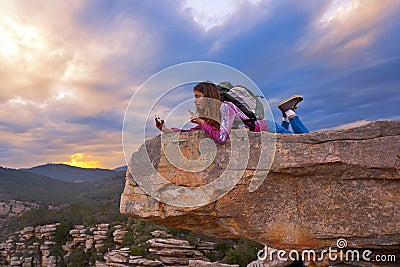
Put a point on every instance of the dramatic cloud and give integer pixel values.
(210, 14)
(60, 72)
(343, 28)
(69, 69)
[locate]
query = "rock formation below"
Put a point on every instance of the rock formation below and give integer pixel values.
(15, 208)
(321, 187)
(37, 246)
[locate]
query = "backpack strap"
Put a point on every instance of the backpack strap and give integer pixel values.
(251, 123)
(229, 98)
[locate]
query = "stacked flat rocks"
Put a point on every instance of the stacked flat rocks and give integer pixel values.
(169, 251)
(121, 257)
(100, 235)
(33, 246)
(17, 252)
(79, 238)
(87, 237)
(118, 234)
(174, 252)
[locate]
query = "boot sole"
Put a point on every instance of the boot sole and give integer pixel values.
(291, 98)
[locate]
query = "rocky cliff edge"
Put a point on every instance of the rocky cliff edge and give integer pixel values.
(320, 187)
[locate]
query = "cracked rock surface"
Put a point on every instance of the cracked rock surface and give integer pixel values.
(321, 187)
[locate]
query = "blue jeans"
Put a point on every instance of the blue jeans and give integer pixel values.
(297, 126)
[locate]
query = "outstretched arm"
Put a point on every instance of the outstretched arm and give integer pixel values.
(161, 126)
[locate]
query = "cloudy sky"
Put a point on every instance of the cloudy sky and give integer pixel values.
(68, 69)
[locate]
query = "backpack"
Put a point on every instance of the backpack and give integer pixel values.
(245, 100)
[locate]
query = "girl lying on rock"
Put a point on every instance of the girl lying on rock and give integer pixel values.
(216, 117)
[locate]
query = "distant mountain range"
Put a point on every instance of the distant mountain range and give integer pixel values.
(121, 169)
(25, 186)
(28, 186)
(69, 173)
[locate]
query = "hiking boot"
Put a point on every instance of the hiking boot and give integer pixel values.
(290, 103)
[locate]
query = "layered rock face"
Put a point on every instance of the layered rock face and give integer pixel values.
(321, 187)
(35, 246)
(14, 208)
(17, 252)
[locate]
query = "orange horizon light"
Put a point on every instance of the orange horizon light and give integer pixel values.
(77, 160)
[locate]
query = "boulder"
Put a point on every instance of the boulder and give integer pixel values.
(116, 256)
(204, 245)
(141, 261)
(321, 187)
(118, 235)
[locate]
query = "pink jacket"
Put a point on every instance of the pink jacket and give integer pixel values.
(229, 112)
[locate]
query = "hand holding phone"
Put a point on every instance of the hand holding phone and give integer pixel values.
(159, 123)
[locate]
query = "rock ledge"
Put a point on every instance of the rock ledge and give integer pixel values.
(321, 187)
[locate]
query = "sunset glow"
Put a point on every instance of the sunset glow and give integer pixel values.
(78, 160)
(18, 41)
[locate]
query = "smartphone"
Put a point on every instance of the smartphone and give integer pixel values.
(158, 120)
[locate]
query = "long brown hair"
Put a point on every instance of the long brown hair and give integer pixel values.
(211, 113)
